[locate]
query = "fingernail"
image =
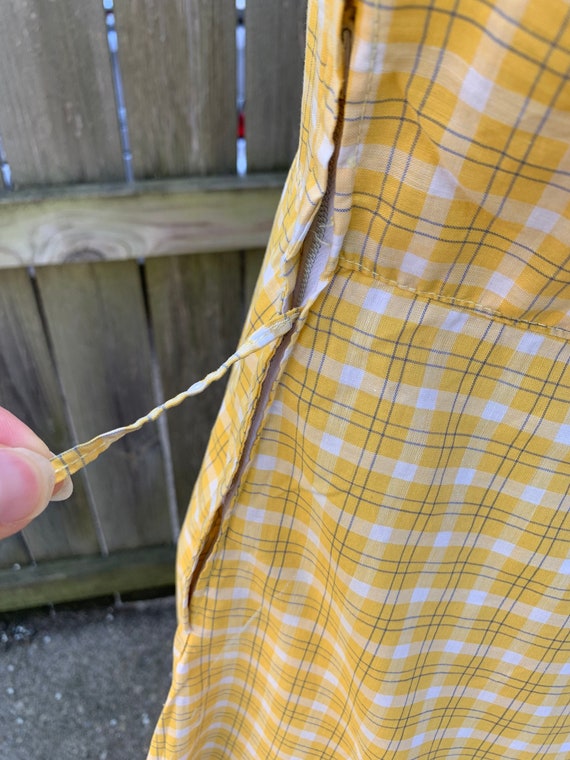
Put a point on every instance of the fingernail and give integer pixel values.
(63, 490)
(26, 483)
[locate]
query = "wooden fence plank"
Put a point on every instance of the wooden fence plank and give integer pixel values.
(96, 317)
(253, 262)
(196, 305)
(57, 116)
(161, 218)
(13, 552)
(178, 67)
(88, 577)
(29, 389)
(274, 74)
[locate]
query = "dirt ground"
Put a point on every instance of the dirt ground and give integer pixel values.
(84, 683)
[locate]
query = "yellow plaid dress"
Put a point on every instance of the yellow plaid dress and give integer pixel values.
(376, 559)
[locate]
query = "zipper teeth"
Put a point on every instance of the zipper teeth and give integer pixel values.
(310, 255)
(317, 232)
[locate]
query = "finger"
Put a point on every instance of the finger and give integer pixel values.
(26, 485)
(13, 432)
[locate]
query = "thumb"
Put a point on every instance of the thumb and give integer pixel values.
(26, 485)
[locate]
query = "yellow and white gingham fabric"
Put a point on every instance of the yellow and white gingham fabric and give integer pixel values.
(389, 577)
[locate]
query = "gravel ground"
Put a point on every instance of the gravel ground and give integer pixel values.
(84, 683)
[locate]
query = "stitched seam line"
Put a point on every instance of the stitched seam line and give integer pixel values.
(451, 300)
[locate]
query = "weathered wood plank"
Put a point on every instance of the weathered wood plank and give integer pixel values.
(88, 577)
(178, 68)
(29, 389)
(97, 321)
(274, 75)
(160, 218)
(197, 310)
(58, 120)
(252, 265)
(13, 552)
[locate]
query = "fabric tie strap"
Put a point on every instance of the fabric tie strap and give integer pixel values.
(72, 460)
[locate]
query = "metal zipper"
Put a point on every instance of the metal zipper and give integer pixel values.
(314, 242)
(313, 257)
(312, 263)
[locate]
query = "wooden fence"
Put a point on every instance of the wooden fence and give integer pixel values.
(129, 248)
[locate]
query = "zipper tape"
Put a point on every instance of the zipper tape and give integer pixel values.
(74, 459)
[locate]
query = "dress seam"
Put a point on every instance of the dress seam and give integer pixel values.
(474, 306)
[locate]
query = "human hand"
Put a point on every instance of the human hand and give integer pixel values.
(26, 475)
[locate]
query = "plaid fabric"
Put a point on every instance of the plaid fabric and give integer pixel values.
(389, 576)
